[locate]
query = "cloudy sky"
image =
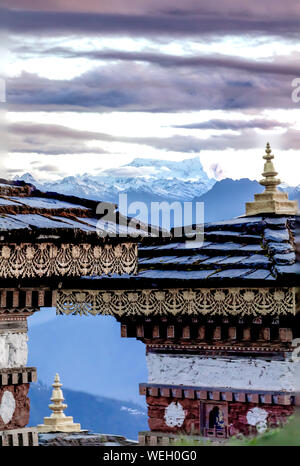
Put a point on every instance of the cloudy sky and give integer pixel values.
(94, 84)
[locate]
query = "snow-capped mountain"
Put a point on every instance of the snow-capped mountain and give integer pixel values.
(161, 179)
(293, 191)
(28, 178)
(188, 169)
(151, 180)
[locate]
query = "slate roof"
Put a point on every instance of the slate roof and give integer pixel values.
(245, 251)
(27, 214)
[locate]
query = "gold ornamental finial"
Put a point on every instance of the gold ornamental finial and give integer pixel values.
(270, 182)
(271, 201)
(58, 421)
(57, 407)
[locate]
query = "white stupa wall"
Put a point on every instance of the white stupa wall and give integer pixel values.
(238, 373)
(13, 350)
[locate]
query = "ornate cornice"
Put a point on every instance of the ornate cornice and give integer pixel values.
(30, 260)
(205, 301)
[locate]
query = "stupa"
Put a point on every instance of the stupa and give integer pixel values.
(271, 201)
(58, 421)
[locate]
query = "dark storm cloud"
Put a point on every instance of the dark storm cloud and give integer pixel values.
(164, 21)
(235, 125)
(55, 131)
(48, 168)
(152, 81)
(280, 65)
(12, 171)
(51, 139)
(244, 140)
(290, 140)
(139, 87)
(254, 9)
(36, 166)
(56, 139)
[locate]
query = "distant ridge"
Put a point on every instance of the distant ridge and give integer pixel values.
(96, 413)
(161, 178)
(168, 182)
(227, 198)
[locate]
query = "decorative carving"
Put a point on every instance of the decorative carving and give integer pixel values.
(205, 301)
(47, 259)
(174, 415)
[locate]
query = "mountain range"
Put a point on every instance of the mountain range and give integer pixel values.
(95, 413)
(161, 179)
(151, 180)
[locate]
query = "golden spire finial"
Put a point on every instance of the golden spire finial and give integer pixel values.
(271, 201)
(58, 421)
(57, 407)
(270, 182)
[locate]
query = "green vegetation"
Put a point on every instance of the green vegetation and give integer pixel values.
(289, 435)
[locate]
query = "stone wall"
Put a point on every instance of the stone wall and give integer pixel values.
(235, 373)
(13, 349)
(166, 415)
(243, 417)
(15, 377)
(188, 416)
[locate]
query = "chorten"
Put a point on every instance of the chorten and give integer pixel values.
(58, 421)
(271, 201)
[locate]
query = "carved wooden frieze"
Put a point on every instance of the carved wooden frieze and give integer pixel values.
(29, 260)
(205, 301)
(285, 398)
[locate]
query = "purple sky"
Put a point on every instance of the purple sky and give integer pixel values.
(92, 85)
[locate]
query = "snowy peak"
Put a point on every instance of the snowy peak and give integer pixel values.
(170, 180)
(28, 178)
(188, 169)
